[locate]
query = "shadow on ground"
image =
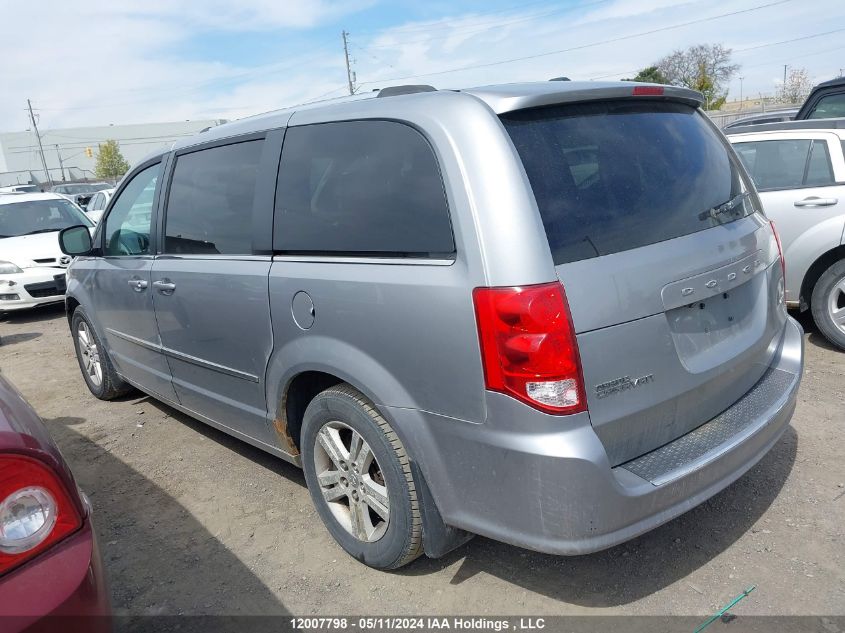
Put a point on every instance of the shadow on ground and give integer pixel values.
(248, 451)
(11, 339)
(157, 547)
(813, 335)
(35, 315)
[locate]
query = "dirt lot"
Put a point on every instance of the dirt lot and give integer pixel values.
(192, 521)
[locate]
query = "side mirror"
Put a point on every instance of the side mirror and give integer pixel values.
(75, 240)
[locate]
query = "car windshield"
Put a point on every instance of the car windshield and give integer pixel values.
(615, 175)
(39, 216)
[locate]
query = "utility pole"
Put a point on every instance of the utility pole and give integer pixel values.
(61, 164)
(345, 35)
(784, 78)
(40, 147)
(740, 92)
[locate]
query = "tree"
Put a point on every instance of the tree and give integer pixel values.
(703, 67)
(797, 86)
(110, 162)
(651, 75)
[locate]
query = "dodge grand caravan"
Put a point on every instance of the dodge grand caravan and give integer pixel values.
(551, 314)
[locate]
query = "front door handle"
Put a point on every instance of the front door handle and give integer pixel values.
(137, 284)
(164, 286)
(814, 201)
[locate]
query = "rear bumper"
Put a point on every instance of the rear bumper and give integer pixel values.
(64, 589)
(522, 479)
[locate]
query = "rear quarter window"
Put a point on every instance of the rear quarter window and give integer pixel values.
(361, 188)
(616, 175)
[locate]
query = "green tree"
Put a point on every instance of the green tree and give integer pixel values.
(110, 162)
(651, 75)
(704, 67)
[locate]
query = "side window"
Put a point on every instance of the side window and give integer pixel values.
(209, 208)
(828, 107)
(819, 169)
(96, 202)
(775, 164)
(127, 229)
(363, 188)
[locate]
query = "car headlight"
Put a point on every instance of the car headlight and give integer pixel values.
(8, 268)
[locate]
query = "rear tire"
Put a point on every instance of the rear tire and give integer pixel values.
(828, 304)
(94, 362)
(360, 479)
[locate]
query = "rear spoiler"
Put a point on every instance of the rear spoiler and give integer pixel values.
(502, 100)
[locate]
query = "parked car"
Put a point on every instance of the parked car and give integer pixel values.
(825, 101)
(800, 174)
(31, 262)
(550, 313)
(19, 189)
(80, 193)
(97, 204)
(50, 564)
(775, 116)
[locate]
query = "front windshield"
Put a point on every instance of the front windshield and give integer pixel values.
(39, 216)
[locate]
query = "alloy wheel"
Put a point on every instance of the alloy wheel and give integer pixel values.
(836, 305)
(89, 353)
(351, 481)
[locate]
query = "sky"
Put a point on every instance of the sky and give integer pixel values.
(95, 62)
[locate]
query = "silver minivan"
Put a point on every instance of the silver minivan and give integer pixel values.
(548, 313)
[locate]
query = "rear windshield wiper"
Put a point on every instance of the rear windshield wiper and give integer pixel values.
(724, 208)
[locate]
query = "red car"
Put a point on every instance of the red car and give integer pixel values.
(51, 574)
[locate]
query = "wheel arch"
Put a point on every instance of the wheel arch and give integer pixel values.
(301, 369)
(815, 271)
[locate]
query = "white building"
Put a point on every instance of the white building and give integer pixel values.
(65, 150)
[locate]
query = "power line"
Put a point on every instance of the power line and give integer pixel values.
(440, 25)
(366, 51)
(794, 39)
(582, 46)
(478, 28)
(739, 50)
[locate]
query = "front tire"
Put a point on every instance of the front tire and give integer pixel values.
(94, 362)
(828, 304)
(360, 480)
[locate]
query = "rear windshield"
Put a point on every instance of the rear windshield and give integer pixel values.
(615, 175)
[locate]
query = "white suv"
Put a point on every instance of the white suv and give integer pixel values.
(800, 174)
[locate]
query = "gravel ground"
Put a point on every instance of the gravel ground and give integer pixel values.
(192, 521)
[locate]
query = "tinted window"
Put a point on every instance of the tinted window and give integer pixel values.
(613, 176)
(209, 209)
(819, 169)
(828, 107)
(362, 187)
(128, 224)
(775, 164)
(39, 216)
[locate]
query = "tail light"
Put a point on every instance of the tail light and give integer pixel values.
(647, 91)
(35, 510)
(780, 250)
(528, 346)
